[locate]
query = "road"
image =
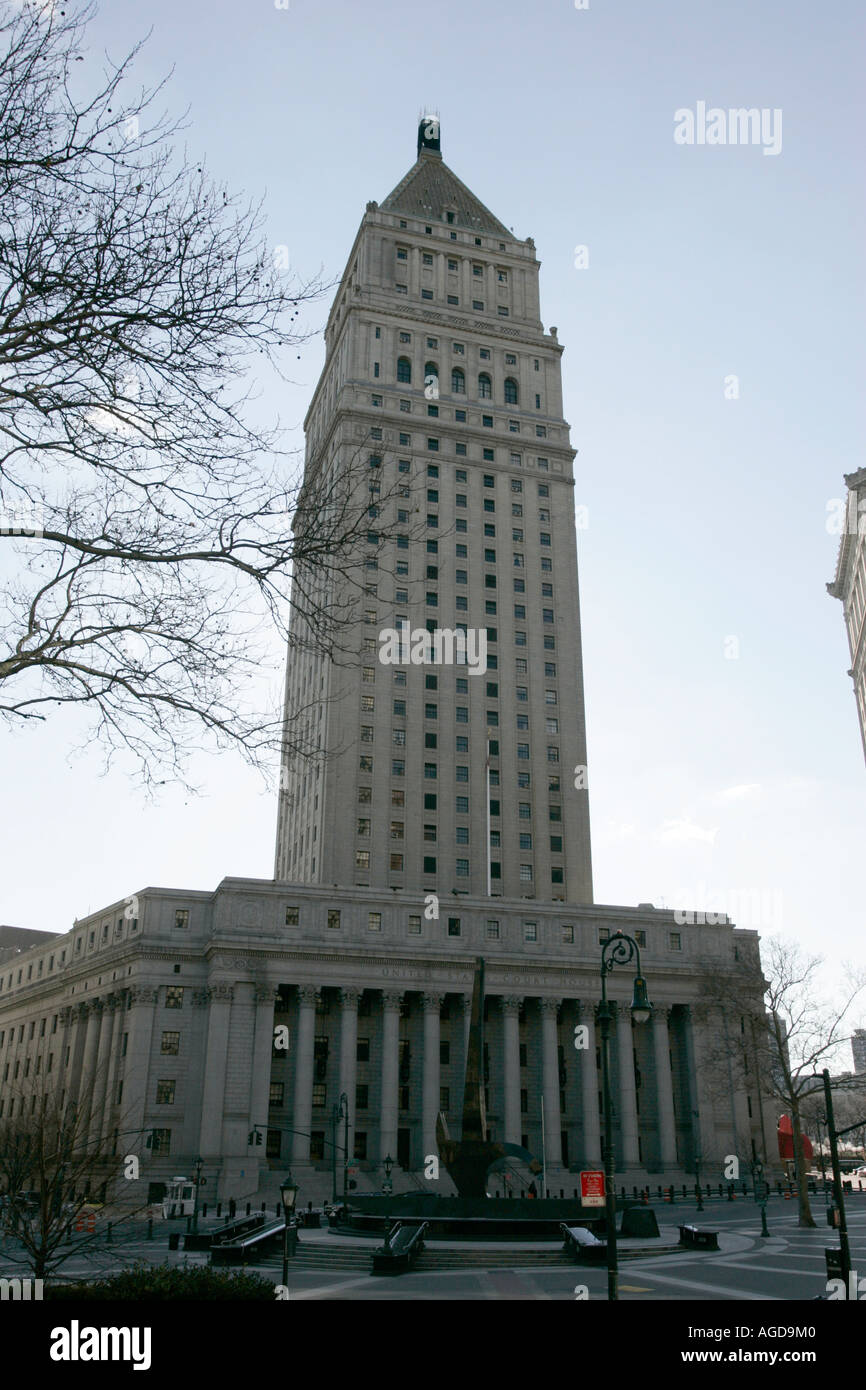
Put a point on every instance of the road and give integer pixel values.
(789, 1265)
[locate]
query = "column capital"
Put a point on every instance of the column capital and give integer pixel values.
(65, 1015)
(432, 1002)
(511, 1004)
(266, 994)
(307, 995)
(221, 992)
(350, 997)
(549, 1007)
(698, 1013)
(141, 994)
(199, 998)
(662, 1013)
(392, 999)
(586, 1008)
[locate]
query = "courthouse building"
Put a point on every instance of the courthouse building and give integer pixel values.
(444, 819)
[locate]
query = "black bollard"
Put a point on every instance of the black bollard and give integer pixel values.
(219, 1210)
(108, 1234)
(249, 1208)
(204, 1210)
(150, 1228)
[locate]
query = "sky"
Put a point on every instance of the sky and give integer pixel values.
(710, 301)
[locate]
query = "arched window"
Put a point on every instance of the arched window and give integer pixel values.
(404, 369)
(458, 382)
(485, 388)
(510, 391)
(431, 381)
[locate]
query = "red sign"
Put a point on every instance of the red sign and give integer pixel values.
(592, 1188)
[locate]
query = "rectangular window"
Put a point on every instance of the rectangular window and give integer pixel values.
(453, 926)
(181, 917)
(415, 924)
(396, 863)
(170, 1044)
(374, 921)
(530, 931)
(320, 1096)
(165, 1092)
(675, 941)
(293, 916)
(174, 997)
(334, 915)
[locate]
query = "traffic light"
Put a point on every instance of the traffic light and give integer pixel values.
(254, 1137)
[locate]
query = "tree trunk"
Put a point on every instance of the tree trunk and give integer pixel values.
(806, 1218)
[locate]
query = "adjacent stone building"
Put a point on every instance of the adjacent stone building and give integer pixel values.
(849, 586)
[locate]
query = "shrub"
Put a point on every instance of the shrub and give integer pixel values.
(150, 1283)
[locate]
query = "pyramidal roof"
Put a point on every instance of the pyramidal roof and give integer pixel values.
(431, 189)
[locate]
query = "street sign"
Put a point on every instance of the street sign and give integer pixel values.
(592, 1188)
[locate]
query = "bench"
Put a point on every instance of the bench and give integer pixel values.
(696, 1239)
(403, 1245)
(582, 1244)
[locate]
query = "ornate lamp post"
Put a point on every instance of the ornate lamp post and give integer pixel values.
(288, 1192)
(198, 1168)
(617, 950)
(387, 1164)
(761, 1190)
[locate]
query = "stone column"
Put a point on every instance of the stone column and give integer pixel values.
(263, 1046)
(589, 1089)
(550, 1084)
(349, 1000)
(88, 1067)
(664, 1089)
(100, 1075)
(432, 1004)
(117, 1005)
(694, 1016)
(62, 1074)
(302, 1101)
(511, 1065)
(220, 995)
(136, 1064)
(625, 1070)
(391, 1002)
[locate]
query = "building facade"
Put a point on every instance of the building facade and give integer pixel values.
(209, 1017)
(443, 817)
(849, 586)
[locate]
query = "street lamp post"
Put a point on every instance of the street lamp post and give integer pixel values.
(344, 1113)
(700, 1206)
(288, 1193)
(761, 1190)
(198, 1168)
(619, 949)
(387, 1164)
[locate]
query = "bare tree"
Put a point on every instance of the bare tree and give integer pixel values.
(157, 537)
(796, 1035)
(49, 1163)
